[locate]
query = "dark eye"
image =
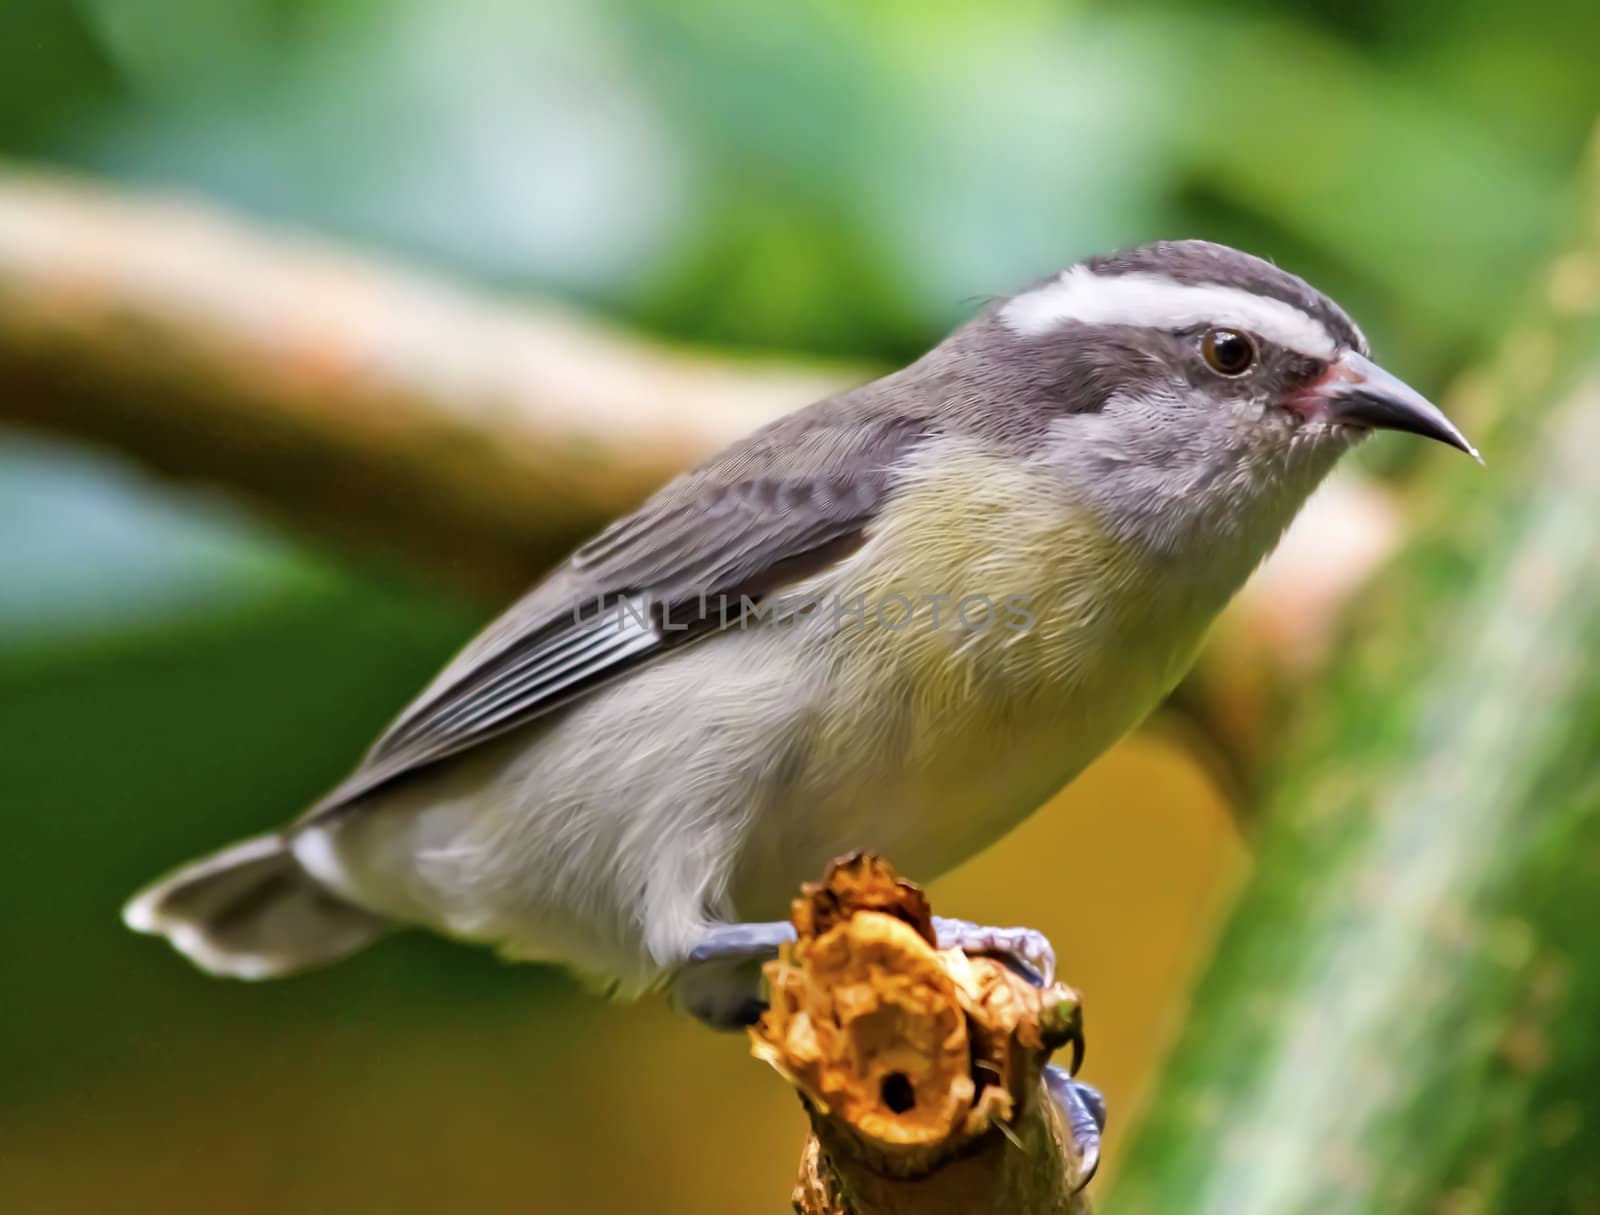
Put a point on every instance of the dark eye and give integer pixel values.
(1228, 351)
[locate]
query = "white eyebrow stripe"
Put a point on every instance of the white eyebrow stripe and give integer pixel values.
(1155, 301)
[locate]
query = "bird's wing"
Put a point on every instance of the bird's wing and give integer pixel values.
(781, 505)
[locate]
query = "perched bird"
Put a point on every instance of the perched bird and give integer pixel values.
(898, 620)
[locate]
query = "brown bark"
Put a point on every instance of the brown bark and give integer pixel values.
(919, 1069)
(482, 439)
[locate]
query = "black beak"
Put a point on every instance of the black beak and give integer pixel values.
(1358, 392)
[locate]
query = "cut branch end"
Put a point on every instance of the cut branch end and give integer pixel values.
(920, 1068)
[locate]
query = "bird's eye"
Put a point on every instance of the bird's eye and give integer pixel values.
(1228, 352)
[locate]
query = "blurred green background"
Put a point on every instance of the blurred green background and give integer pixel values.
(838, 179)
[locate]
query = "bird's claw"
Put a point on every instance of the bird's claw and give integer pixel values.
(1075, 1039)
(1027, 951)
(1085, 1112)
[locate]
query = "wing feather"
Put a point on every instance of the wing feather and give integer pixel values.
(789, 500)
(543, 673)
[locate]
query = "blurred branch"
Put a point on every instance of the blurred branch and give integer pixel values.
(920, 1070)
(478, 439)
(481, 439)
(1400, 1014)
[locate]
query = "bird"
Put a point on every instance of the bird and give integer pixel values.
(897, 620)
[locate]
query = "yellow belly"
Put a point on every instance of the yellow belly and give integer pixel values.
(933, 737)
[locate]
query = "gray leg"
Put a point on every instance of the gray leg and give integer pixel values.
(1026, 950)
(720, 982)
(1085, 1111)
(742, 942)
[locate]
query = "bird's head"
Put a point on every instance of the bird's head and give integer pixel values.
(1189, 386)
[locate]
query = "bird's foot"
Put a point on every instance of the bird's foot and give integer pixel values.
(758, 942)
(720, 982)
(1025, 950)
(1085, 1112)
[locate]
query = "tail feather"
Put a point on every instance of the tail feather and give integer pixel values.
(251, 912)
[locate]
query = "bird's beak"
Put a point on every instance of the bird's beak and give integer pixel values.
(1357, 392)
